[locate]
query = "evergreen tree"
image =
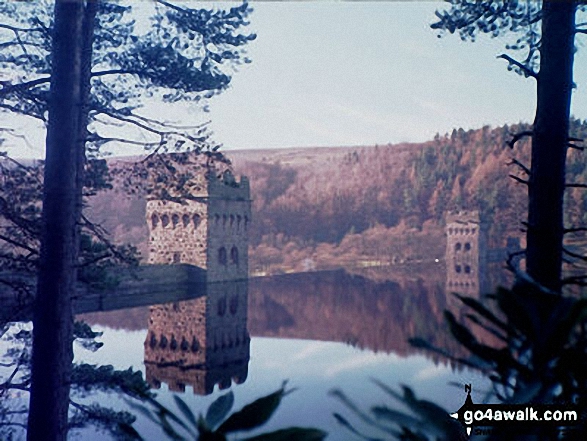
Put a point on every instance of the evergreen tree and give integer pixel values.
(78, 68)
(546, 32)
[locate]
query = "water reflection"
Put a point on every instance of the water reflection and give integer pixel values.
(201, 342)
(204, 340)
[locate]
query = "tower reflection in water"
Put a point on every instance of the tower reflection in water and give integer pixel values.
(201, 342)
(204, 341)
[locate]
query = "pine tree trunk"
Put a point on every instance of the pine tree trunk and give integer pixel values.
(53, 317)
(549, 144)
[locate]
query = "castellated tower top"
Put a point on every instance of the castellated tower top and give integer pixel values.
(463, 217)
(208, 229)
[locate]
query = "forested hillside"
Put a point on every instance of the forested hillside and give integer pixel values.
(326, 207)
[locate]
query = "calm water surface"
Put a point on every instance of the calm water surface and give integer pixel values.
(319, 331)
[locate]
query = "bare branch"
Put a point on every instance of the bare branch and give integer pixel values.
(167, 124)
(94, 137)
(519, 164)
(525, 69)
(198, 141)
(575, 280)
(516, 137)
(574, 146)
(17, 29)
(572, 254)
(94, 260)
(18, 244)
(12, 88)
(101, 234)
(16, 110)
(574, 230)
(518, 179)
(576, 185)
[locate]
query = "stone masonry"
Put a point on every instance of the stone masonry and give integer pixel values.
(200, 342)
(465, 253)
(204, 341)
(209, 231)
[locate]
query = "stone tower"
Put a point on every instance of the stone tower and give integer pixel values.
(465, 253)
(204, 341)
(209, 230)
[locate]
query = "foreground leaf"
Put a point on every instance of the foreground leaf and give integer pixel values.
(219, 409)
(254, 414)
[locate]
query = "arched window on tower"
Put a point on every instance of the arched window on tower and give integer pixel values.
(222, 256)
(175, 219)
(154, 220)
(185, 219)
(233, 305)
(164, 220)
(196, 219)
(221, 306)
(458, 246)
(467, 246)
(234, 256)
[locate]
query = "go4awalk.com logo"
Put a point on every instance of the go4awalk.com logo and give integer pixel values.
(489, 416)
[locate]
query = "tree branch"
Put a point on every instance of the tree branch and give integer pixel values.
(17, 29)
(94, 260)
(518, 179)
(198, 141)
(18, 244)
(525, 69)
(576, 185)
(11, 88)
(574, 230)
(519, 164)
(572, 254)
(575, 280)
(516, 137)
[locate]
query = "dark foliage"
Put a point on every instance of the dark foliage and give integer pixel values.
(217, 424)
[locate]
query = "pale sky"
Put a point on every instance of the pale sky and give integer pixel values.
(362, 73)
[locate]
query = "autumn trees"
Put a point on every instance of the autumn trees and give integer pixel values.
(546, 32)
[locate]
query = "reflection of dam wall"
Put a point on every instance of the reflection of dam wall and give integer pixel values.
(200, 342)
